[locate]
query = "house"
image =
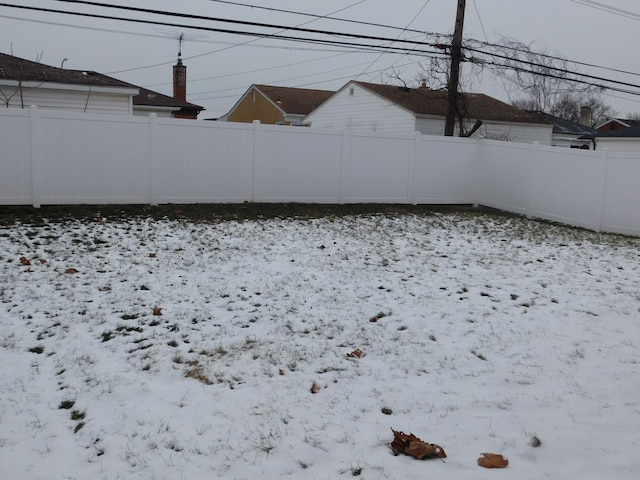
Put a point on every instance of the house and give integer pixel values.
(24, 83)
(148, 101)
(399, 109)
(616, 124)
(276, 105)
(620, 140)
(567, 133)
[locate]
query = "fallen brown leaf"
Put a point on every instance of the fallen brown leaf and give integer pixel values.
(413, 446)
(357, 353)
(492, 460)
(314, 388)
(157, 311)
(24, 261)
(71, 271)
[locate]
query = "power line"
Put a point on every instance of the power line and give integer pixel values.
(226, 20)
(334, 43)
(248, 33)
(319, 17)
(547, 56)
(607, 8)
(403, 30)
(547, 67)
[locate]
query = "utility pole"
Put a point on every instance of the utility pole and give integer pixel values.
(454, 72)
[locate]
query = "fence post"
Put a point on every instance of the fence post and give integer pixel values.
(37, 160)
(343, 160)
(603, 191)
(153, 152)
(412, 174)
(533, 160)
(256, 134)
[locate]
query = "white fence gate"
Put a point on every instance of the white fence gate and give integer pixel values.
(57, 157)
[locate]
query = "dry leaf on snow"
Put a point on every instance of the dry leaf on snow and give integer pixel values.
(71, 271)
(314, 387)
(357, 353)
(413, 446)
(492, 460)
(24, 261)
(157, 311)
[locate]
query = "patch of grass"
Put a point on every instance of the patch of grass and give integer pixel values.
(37, 349)
(197, 372)
(77, 415)
(66, 404)
(107, 335)
(78, 427)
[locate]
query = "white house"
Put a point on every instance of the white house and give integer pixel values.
(621, 140)
(399, 109)
(24, 83)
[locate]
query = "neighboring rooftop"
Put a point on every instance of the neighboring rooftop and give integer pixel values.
(154, 99)
(18, 69)
(424, 101)
(14, 68)
(294, 100)
(566, 127)
(629, 132)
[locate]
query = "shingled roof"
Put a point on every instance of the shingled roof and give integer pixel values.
(425, 101)
(566, 127)
(629, 132)
(18, 69)
(291, 100)
(154, 99)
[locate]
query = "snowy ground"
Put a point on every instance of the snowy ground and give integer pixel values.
(489, 332)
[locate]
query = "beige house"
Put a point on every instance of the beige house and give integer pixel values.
(276, 105)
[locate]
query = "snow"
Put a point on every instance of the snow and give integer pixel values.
(479, 333)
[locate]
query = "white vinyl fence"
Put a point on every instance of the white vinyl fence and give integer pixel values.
(57, 157)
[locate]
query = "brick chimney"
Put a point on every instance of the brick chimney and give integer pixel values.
(180, 81)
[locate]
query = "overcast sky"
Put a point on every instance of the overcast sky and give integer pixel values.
(222, 66)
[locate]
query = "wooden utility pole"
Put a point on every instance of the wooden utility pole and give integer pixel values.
(454, 72)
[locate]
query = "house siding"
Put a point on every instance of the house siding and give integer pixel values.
(631, 145)
(361, 111)
(76, 100)
(518, 133)
(430, 125)
(255, 106)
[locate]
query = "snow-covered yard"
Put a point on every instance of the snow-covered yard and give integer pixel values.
(177, 349)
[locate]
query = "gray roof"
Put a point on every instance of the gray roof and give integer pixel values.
(629, 132)
(566, 127)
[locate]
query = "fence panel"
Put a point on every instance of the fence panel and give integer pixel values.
(379, 168)
(504, 179)
(15, 157)
(201, 162)
(92, 158)
(295, 164)
(445, 170)
(621, 212)
(566, 186)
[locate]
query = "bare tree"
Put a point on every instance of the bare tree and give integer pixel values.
(568, 106)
